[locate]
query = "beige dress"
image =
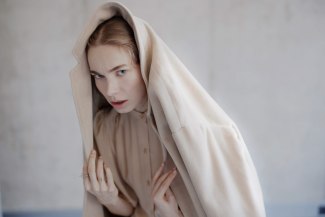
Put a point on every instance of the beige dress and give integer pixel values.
(130, 145)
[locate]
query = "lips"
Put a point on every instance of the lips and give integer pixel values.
(117, 103)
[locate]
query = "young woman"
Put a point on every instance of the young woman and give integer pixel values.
(155, 143)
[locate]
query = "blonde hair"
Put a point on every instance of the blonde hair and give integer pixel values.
(115, 31)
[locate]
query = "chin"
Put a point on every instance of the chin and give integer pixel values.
(122, 110)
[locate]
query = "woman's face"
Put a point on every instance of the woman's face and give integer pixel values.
(117, 78)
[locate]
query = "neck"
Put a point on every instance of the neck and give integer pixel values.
(143, 106)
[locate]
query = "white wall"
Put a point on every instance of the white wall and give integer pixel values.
(40, 154)
(263, 62)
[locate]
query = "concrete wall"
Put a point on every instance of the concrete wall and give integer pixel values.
(263, 62)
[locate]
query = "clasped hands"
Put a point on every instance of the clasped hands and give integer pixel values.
(98, 180)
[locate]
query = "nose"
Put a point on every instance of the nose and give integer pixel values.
(112, 88)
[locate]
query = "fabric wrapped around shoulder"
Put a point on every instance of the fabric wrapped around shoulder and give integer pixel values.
(205, 144)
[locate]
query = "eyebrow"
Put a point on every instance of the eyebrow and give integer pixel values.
(113, 69)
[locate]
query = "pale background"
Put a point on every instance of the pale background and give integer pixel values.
(263, 62)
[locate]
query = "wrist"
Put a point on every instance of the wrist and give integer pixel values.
(119, 206)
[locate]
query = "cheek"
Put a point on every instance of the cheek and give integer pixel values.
(137, 85)
(133, 85)
(139, 88)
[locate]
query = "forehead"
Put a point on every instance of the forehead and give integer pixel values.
(105, 57)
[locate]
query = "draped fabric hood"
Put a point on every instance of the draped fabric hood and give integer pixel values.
(205, 144)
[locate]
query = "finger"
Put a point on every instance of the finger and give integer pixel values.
(109, 177)
(160, 181)
(165, 184)
(100, 174)
(86, 177)
(158, 173)
(92, 171)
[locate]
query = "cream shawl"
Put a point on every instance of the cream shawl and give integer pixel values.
(202, 140)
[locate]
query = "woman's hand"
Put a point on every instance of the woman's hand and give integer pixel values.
(164, 200)
(99, 180)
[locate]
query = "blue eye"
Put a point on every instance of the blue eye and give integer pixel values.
(96, 76)
(121, 72)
